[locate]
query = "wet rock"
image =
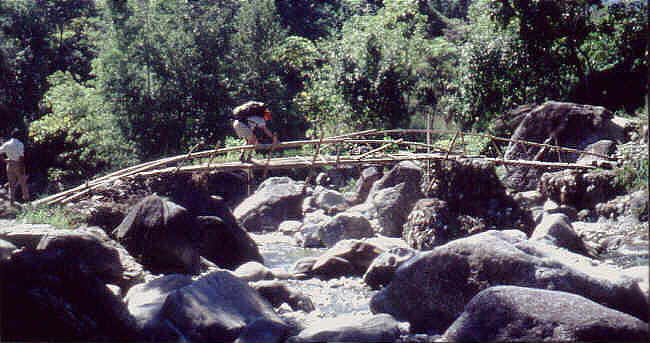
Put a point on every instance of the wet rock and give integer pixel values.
(509, 313)
(277, 199)
(290, 227)
(603, 147)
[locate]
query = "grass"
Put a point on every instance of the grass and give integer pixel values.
(57, 216)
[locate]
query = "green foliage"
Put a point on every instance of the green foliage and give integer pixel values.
(77, 138)
(382, 69)
(57, 216)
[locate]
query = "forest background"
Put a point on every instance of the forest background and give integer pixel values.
(96, 85)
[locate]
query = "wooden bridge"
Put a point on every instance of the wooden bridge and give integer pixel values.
(213, 160)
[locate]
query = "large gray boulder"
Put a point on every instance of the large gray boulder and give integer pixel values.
(277, 199)
(518, 314)
(219, 307)
(431, 290)
(558, 123)
(163, 235)
(582, 190)
(225, 243)
(377, 328)
(344, 226)
(145, 302)
(346, 258)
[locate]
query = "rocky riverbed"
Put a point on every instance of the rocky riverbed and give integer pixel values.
(395, 259)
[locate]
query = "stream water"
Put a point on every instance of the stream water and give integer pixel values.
(332, 298)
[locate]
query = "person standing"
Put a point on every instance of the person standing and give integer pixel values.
(15, 160)
(248, 117)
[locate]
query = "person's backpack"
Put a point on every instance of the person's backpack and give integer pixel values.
(249, 109)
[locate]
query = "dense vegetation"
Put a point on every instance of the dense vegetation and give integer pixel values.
(100, 84)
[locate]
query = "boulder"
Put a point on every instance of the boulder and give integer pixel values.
(485, 199)
(253, 271)
(86, 251)
(163, 235)
(225, 243)
(145, 302)
(56, 294)
(344, 226)
(556, 229)
(558, 123)
(382, 269)
(346, 258)
(26, 235)
(377, 328)
(206, 310)
(277, 293)
(328, 200)
(308, 235)
(277, 199)
(363, 185)
(603, 147)
(290, 227)
(581, 190)
(511, 313)
(431, 290)
(430, 224)
(6, 248)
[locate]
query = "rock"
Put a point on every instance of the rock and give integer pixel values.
(48, 296)
(510, 313)
(358, 253)
(302, 269)
(6, 248)
(377, 328)
(226, 244)
(86, 251)
(431, 290)
(277, 199)
(253, 271)
(290, 227)
(382, 269)
(145, 302)
(206, 310)
(558, 123)
(277, 293)
(485, 199)
(344, 226)
(26, 235)
(603, 147)
(529, 199)
(263, 331)
(581, 190)
(164, 235)
(430, 224)
(308, 236)
(362, 188)
(330, 201)
(556, 229)
(634, 205)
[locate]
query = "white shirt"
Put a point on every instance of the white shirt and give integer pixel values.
(14, 149)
